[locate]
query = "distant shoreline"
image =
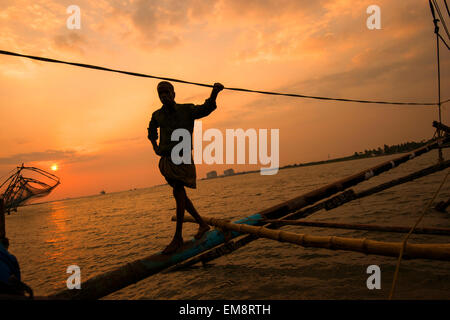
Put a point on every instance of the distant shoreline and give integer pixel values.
(386, 151)
(308, 164)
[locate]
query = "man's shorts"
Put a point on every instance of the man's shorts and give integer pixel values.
(174, 174)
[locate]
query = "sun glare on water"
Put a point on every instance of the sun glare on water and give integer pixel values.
(54, 167)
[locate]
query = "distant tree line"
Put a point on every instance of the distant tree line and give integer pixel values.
(397, 148)
(386, 150)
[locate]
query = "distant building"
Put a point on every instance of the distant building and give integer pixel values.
(228, 172)
(211, 174)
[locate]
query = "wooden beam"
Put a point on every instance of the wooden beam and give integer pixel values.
(231, 246)
(349, 226)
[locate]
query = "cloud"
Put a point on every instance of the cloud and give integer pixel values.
(157, 23)
(69, 156)
(165, 24)
(272, 9)
(288, 30)
(123, 140)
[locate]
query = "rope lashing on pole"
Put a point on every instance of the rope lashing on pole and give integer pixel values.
(442, 18)
(136, 74)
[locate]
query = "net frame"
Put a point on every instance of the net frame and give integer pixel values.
(20, 189)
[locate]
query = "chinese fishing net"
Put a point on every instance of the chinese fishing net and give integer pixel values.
(24, 184)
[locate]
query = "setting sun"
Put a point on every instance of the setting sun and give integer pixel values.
(54, 167)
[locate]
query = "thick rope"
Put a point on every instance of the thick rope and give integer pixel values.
(402, 249)
(440, 155)
(88, 66)
(438, 36)
(442, 18)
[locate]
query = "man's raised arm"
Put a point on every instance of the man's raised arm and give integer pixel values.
(215, 91)
(209, 105)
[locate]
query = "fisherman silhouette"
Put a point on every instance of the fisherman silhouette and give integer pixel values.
(169, 117)
(11, 286)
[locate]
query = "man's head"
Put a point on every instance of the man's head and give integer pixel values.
(166, 93)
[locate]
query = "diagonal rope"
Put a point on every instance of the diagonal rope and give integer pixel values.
(88, 66)
(443, 41)
(402, 249)
(442, 18)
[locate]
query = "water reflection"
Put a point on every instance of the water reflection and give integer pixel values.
(56, 239)
(100, 233)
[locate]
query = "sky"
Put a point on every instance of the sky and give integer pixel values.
(92, 125)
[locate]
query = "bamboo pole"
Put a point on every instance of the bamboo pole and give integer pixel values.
(341, 198)
(283, 209)
(349, 226)
(368, 227)
(435, 251)
(415, 175)
(350, 195)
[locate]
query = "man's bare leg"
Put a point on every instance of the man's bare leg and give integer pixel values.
(180, 198)
(203, 226)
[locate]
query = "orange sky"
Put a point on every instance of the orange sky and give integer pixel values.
(93, 124)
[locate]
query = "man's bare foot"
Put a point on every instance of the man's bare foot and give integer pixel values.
(201, 231)
(173, 246)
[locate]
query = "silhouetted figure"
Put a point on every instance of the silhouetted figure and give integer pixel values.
(169, 117)
(11, 286)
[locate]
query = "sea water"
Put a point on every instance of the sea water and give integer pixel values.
(102, 232)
